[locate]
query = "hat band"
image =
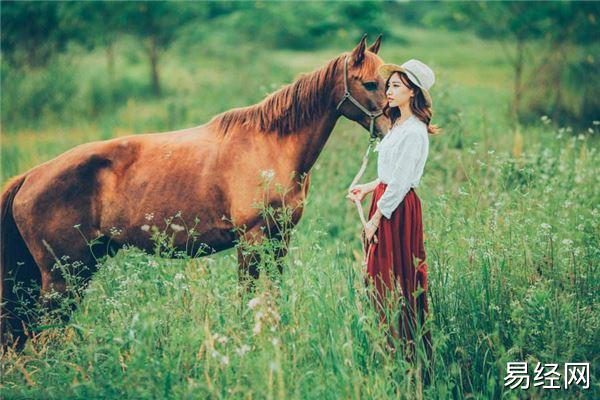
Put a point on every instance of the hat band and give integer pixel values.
(415, 78)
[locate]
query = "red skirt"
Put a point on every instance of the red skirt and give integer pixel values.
(396, 265)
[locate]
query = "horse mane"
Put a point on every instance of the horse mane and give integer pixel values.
(291, 107)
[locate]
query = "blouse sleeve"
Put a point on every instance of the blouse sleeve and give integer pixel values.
(406, 158)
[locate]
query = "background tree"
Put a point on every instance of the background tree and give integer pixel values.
(552, 28)
(33, 32)
(156, 25)
(98, 24)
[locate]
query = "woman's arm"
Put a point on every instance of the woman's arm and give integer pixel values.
(372, 185)
(358, 192)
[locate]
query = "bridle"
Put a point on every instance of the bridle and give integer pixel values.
(348, 96)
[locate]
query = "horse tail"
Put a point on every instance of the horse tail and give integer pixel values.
(17, 266)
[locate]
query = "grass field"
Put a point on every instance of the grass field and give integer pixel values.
(511, 220)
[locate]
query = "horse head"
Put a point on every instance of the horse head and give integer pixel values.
(360, 91)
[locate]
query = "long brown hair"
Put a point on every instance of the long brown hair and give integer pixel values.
(418, 105)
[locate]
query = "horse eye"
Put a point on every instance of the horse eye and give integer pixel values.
(370, 85)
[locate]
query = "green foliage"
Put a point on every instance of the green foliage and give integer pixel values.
(516, 20)
(35, 96)
(302, 26)
(565, 90)
(32, 32)
(551, 46)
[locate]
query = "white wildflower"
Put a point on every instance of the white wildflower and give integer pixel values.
(149, 216)
(545, 226)
(567, 242)
(275, 315)
(221, 339)
(243, 349)
(177, 228)
(254, 302)
(267, 174)
(145, 227)
(178, 276)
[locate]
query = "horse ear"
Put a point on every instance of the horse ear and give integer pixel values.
(358, 54)
(374, 48)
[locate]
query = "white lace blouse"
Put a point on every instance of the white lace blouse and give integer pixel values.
(401, 160)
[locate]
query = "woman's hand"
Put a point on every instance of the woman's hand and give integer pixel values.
(370, 230)
(358, 192)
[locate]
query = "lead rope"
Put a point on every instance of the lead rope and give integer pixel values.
(365, 246)
(372, 138)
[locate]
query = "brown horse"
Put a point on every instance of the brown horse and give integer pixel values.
(209, 174)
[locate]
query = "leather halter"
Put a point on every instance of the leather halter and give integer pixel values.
(348, 96)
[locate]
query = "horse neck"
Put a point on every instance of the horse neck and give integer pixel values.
(305, 145)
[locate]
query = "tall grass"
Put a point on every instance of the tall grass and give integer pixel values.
(511, 234)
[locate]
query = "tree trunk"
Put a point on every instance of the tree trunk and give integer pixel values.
(110, 61)
(518, 89)
(561, 59)
(153, 54)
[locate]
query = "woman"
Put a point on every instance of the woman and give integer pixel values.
(394, 231)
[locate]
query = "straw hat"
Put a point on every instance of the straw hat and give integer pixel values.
(418, 73)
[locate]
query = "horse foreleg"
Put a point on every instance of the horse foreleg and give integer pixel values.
(249, 258)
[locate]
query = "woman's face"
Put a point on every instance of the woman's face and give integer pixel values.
(398, 94)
